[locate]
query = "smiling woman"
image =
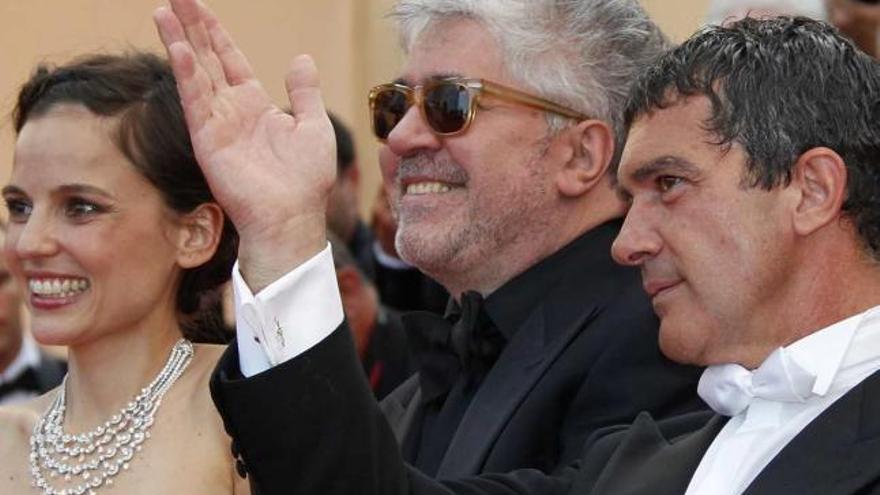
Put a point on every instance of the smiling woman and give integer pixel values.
(117, 243)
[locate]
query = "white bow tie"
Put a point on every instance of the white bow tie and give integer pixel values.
(730, 388)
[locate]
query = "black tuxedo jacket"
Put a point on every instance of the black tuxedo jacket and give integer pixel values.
(836, 454)
(325, 435)
(584, 356)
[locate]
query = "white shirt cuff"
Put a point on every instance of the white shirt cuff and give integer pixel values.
(289, 316)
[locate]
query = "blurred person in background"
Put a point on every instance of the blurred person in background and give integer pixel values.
(343, 218)
(858, 19)
(379, 336)
(26, 371)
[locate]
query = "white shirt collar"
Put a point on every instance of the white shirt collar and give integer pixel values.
(822, 353)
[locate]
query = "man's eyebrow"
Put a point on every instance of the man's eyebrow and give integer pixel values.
(663, 165)
(437, 76)
(445, 75)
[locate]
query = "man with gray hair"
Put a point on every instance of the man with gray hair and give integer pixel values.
(498, 139)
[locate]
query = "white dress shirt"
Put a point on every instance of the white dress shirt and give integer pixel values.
(838, 358)
(28, 357)
(289, 316)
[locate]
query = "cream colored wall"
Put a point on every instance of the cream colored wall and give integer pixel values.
(678, 18)
(353, 43)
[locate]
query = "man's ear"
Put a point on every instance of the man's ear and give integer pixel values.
(199, 234)
(590, 148)
(819, 176)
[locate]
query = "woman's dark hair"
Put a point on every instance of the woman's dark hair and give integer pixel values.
(139, 90)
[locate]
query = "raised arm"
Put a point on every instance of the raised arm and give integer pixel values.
(270, 171)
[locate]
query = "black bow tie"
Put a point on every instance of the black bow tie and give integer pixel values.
(25, 382)
(464, 340)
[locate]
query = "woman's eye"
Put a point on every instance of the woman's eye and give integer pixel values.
(666, 183)
(78, 208)
(19, 210)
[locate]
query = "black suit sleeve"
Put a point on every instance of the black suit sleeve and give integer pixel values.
(312, 426)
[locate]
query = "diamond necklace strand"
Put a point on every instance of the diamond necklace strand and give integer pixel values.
(95, 457)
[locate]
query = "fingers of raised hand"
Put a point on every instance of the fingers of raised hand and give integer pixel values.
(189, 14)
(235, 65)
(303, 89)
(193, 84)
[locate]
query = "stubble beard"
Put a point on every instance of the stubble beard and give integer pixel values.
(473, 243)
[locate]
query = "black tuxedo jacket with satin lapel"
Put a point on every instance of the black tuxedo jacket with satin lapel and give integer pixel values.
(585, 357)
(837, 454)
(326, 435)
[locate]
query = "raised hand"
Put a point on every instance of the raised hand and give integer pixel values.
(270, 171)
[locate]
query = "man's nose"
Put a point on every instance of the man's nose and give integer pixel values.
(637, 239)
(412, 135)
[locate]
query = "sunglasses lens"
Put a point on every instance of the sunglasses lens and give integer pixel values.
(389, 107)
(447, 106)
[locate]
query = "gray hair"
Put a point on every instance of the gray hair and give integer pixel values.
(583, 54)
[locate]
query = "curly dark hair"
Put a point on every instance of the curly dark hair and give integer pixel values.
(779, 87)
(140, 91)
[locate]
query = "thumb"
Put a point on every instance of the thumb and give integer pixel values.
(303, 90)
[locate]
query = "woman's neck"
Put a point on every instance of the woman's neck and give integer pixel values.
(105, 374)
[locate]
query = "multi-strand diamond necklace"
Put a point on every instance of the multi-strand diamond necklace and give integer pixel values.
(87, 461)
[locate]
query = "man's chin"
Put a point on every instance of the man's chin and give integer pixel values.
(426, 250)
(681, 342)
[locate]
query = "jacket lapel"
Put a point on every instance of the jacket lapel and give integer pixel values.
(835, 454)
(524, 360)
(651, 460)
(578, 281)
(402, 407)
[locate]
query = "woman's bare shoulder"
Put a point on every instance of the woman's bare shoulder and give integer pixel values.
(209, 353)
(28, 410)
(198, 376)
(17, 422)
(13, 418)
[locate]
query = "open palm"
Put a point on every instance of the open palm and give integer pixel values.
(270, 171)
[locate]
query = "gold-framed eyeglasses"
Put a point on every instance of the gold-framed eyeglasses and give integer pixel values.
(448, 105)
